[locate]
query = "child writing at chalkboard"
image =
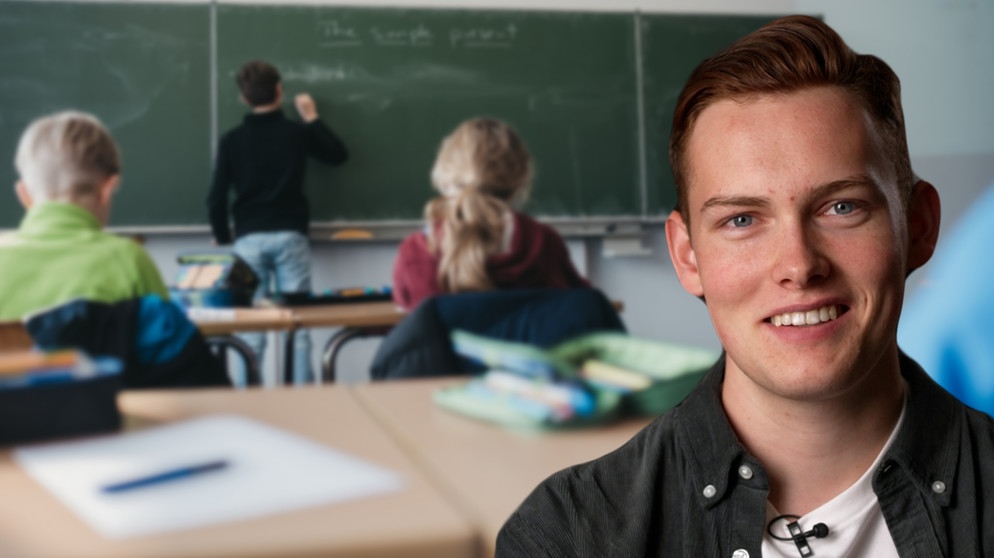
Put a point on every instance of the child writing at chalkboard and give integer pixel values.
(475, 239)
(264, 160)
(68, 170)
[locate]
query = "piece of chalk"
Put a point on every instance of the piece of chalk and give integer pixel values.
(352, 234)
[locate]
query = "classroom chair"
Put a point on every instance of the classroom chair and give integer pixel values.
(155, 340)
(419, 346)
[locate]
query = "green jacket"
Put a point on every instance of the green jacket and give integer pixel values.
(60, 253)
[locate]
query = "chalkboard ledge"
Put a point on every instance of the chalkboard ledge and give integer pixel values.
(353, 231)
(568, 227)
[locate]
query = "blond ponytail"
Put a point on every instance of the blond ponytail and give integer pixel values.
(482, 170)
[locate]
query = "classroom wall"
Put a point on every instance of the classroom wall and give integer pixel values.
(943, 50)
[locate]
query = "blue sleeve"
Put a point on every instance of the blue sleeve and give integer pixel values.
(947, 324)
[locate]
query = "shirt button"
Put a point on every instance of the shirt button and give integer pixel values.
(710, 491)
(740, 553)
(745, 472)
(938, 487)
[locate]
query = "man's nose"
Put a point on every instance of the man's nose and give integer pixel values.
(800, 259)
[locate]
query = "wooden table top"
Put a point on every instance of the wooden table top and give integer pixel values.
(487, 470)
(415, 522)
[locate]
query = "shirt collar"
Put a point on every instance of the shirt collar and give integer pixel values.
(253, 117)
(48, 218)
(718, 453)
(926, 445)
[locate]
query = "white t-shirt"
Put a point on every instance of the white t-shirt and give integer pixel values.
(856, 526)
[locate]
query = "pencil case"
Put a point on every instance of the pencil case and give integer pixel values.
(586, 381)
(349, 295)
(213, 279)
(652, 376)
(60, 401)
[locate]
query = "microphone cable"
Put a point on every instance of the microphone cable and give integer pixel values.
(798, 535)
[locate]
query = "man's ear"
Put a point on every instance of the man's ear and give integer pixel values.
(23, 195)
(924, 215)
(682, 254)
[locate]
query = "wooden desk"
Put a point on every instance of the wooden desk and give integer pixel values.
(358, 314)
(219, 326)
(225, 321)
(355, 319)
(485, 470)
(14, 336)
(416, 522)
(359, 319)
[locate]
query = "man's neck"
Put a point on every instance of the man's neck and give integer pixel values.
(814, 450)
(266, 108)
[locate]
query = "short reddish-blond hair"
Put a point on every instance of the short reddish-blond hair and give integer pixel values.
(788, 55)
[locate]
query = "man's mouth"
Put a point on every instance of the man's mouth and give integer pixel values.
(809, 317)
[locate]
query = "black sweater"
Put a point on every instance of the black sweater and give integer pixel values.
(264, 160)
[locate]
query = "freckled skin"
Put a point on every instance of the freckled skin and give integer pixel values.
(793, 205)
(775, 155)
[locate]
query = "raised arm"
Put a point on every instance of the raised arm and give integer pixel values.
(322, 143)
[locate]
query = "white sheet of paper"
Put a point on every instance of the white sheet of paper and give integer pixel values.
(269, 471)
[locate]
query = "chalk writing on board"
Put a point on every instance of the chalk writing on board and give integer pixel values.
(333, 34)
(370, 103)
(312, 73)
(416, 36)
(499, 37)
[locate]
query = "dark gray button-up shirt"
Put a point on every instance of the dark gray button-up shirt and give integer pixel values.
(681, 487)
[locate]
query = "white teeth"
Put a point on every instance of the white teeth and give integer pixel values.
(811, 317)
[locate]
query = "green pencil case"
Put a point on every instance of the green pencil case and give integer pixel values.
(620, 375)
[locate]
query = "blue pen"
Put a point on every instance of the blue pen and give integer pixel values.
(165, 476)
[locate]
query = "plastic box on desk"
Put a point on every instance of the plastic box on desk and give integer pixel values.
(83, 406)
(666, 374)
(209, 298)
(213, 279)
(339, 296)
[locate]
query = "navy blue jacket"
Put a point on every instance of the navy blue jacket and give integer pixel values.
(420, 346)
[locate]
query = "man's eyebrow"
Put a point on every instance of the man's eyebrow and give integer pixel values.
(829, 188)
(843, 183)
(819, 191)
(734, 201)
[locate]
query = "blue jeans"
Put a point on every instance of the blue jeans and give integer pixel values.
(283, 259)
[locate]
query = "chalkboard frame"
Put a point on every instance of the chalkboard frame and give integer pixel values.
(208, 110)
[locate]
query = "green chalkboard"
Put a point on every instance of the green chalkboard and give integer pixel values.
(671, 47)
(144, 69)
(393, 83)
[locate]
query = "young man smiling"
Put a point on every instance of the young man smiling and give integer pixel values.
(798, 221)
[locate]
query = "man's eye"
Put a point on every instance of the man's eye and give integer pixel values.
(741, 221)
(843, 207)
